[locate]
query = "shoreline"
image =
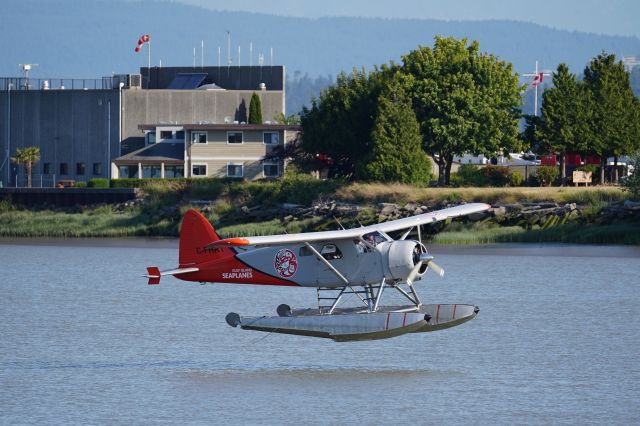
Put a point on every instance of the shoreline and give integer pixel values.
(488, 249)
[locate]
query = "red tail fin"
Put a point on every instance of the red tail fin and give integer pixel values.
(153, 272)
(195, 234)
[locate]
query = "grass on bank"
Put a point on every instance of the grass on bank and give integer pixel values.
(400, 193)
(167, 201)
(622, 233)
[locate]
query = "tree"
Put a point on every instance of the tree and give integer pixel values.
(289, 120)
(565, 117)
(339, 124)
(614, 128)
(396, 154)
(255, 110)
(465, 101)
(27, 156)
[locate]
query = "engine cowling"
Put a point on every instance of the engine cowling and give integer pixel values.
(400, 257)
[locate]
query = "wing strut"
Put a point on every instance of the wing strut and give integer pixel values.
(326, 262)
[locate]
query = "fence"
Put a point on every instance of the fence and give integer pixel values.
(22, 83)
(20, 180)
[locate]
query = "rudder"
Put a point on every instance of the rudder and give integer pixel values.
(195, 234)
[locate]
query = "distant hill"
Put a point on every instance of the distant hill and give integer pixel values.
(76, 38)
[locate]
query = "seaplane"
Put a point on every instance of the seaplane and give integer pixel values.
(357, 265)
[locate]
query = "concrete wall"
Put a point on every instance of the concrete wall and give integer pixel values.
(69, 126)
(192, 106)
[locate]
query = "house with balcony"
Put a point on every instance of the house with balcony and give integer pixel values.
(215, 150)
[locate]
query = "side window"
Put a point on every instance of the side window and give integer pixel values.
(305, 251)
(330, 252)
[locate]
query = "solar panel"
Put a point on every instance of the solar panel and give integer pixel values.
(187, 81)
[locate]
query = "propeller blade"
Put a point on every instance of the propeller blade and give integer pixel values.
(436, 268)
(414, 272)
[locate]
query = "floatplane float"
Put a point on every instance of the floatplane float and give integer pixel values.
(360, 264)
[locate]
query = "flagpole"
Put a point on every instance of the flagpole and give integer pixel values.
(535, 101)
(149, 51)
(538, 77)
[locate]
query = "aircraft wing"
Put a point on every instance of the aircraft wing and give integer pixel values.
(354, 233)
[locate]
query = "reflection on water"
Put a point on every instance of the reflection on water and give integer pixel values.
(85, 340)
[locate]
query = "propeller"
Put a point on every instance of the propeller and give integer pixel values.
(420, 258)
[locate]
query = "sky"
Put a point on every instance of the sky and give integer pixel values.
(612, 17)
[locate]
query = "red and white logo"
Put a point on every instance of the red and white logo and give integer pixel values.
(285, 263)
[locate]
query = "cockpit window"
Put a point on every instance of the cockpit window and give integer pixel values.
(374, 238)
(330, 252)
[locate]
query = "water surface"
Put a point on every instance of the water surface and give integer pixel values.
(85, 340)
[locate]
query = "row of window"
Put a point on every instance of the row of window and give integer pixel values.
(237, 170)
(233, 170)
(268, 138)
(150, 172)
(63, 169)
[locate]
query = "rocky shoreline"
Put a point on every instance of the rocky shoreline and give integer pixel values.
(526, 215)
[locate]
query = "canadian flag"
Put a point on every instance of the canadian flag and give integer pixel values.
(143, 39)
(538, 79)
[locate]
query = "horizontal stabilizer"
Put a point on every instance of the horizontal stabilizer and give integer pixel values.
(154, 274)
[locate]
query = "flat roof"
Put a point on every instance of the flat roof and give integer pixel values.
(230, 126)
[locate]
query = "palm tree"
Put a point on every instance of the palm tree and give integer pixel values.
(27, 156)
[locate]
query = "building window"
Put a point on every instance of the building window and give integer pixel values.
(270, 169)
(234, 137)
(151, 172)
(80, 169)
(199, 170)
(151, 138)
(166, 134)
(97, 169)
(64, 168)
(46, 168)
(271, 138)
(128, 172)
(235, 170)
(198, 137)
(173, 171)
(180, 135)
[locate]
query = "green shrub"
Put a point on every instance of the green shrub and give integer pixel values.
(81, 184)
(496, 175)
(98, 183)
(468, 175)
(300, 188)
(126, 183)
(516, 178)
(547, 175)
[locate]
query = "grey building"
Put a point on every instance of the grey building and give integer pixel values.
(91, 128)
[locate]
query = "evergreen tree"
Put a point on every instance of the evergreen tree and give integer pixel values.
(565, 117)
(255, 110)
(339, 124)
(396, 154)
(614, 128)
